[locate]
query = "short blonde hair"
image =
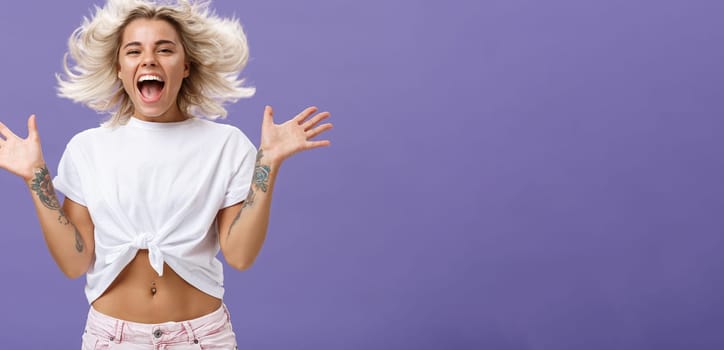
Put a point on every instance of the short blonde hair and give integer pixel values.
(216, 49)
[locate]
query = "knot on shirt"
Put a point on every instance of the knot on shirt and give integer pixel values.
(141, 241)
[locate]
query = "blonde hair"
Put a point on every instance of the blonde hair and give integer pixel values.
(215, 47)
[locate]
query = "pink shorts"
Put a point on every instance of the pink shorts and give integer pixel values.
(212, 331)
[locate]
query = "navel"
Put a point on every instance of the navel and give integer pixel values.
(153, 288)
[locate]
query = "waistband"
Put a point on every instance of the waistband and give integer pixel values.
(117, 330)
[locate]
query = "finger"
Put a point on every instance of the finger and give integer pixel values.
(318, 130)
(268, 116)
(316, 119)
(32, 127)
(5, 132)
(304, 114)
(317, 144)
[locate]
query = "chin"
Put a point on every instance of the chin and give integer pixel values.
(152, 113)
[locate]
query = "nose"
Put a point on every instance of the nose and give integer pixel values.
(149, 60)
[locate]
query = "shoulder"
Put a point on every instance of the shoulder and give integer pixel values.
(215, 126)
(88, 136)
(221, 131)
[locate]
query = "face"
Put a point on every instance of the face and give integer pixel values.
(152, 66)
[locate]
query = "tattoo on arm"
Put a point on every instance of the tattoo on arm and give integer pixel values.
(78, 240)
(249, 201)
(261, 173)
(260, 181)
(42, 185)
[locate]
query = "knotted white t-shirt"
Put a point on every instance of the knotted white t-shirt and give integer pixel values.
(157, 186)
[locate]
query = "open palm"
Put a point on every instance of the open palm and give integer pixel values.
(20, 155)
(281, 141)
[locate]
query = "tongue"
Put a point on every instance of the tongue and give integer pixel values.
(151, 90)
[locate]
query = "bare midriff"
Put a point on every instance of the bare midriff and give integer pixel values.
(138, 294)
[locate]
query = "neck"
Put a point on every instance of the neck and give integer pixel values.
(170, 116)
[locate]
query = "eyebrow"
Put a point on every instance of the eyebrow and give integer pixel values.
(158, 43)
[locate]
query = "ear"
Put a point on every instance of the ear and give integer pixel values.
(187, 69)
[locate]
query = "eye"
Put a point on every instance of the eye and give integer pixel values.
(133, 52)
(165, 50)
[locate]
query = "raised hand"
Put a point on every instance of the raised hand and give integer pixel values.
(281, 141)
(21, 156)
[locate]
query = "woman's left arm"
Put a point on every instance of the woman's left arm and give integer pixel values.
(242, 227)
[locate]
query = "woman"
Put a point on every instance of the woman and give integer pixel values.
(153, 194)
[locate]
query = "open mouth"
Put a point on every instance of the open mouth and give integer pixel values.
(150, 86)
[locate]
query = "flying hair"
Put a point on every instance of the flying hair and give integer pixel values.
(215, 48)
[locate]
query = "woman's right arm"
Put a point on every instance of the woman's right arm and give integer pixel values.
(68, 230)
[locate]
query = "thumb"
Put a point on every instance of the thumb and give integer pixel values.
(268, 116)
(32, 126)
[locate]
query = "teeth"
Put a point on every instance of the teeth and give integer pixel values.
(149, 77)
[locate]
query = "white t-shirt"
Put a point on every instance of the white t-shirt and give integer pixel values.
(157, 186)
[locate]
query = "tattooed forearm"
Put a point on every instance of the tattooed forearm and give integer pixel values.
(79, 245)
(43, 187)
(261, 173)
(62, 218)
(260, 181)
(78, 238)
(249, 201)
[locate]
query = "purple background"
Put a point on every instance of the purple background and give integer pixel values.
(509, 174)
